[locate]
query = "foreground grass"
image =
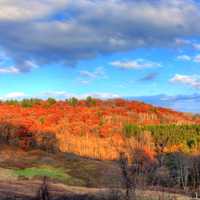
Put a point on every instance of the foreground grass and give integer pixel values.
(41, 172)
(59, 175)
(65, 168)
(55, 174)
(17, 166)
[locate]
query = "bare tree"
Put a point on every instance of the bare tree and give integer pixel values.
(184, 165)
(43, 191)
(128, 179)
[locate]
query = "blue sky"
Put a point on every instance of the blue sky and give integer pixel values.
(145, 49)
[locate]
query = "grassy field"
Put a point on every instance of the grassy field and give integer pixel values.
(54, 174)
(17, 166)
(65, 168)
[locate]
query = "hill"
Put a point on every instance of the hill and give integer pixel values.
(92, 127)
(89, 143)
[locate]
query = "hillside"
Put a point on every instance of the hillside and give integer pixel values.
(87, 143)
(68, 177)
(90, 127)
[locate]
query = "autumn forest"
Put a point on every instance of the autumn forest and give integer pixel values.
(158, 147)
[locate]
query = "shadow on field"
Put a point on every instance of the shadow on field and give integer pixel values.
(44, 194)
(49, 191)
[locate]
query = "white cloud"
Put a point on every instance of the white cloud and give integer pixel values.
(103, 95)
(24, 66)
(184, 58)
(182, 42)
(98, 72)
(23, 10)
(88, 29)
(197, 58)
(188, 43)
(196, 46)
(87, 76)
(9, 70)
(135, 64)
(193, 81)
(59, 95)
(189, 58)
(14, 95)
(66, 95)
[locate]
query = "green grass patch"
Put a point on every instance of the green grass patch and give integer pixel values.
(53, 173)
(40, 172)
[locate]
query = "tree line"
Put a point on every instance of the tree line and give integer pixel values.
(173, 160)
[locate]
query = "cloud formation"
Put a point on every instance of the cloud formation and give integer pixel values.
(67, 31)
(19, 10)
(184, 58)
(97, 73)
(193, 81)
(183, 103)
(66, 95)
(196, 46)
(135, 64)
(9, 70)
(13, 95)
(59, 95)
(197, 58)
(87, 76)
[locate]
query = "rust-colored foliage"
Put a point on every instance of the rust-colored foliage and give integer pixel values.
(86, 130)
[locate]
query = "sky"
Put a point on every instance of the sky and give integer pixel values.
(147, 50)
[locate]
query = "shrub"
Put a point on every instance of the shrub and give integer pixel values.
(73, 101)
(51, 101)
(90, 101)
(28, 103)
